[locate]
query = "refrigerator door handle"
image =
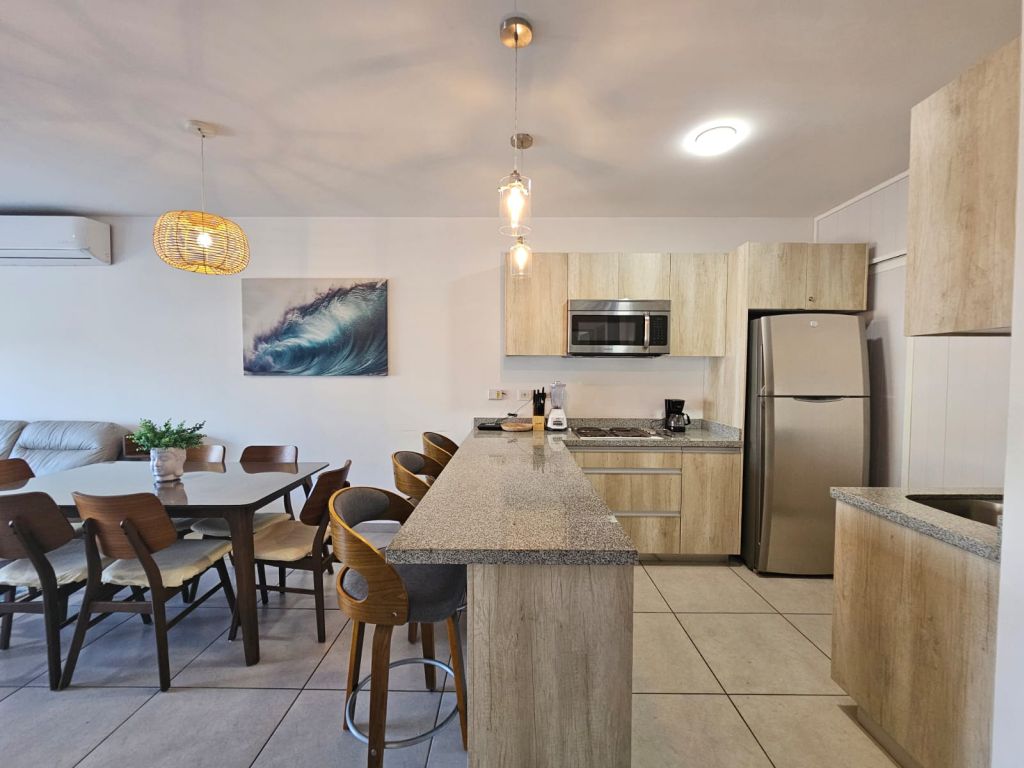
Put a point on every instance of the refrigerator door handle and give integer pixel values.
(819, 399)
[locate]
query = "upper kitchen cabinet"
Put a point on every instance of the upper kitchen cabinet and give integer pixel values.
(619, 276)
(963, 178)
(807, 276)
(699, 282)
(535, 310)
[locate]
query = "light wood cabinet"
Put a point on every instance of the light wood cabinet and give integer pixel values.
(711, 503)
(963, 193)
(535, 307)
(699, 283)
(593, 276)
(807, 276)
(671, 502)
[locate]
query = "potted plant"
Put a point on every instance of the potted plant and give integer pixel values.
(166, 445)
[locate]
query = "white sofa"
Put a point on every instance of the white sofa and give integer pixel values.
(52, 446)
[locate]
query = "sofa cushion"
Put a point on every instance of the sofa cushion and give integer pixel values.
(9, 431)
(52, 446)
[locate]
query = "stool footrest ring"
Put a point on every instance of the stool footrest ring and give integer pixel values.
(350, 707)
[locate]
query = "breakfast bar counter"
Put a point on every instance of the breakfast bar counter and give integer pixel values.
(550, 600)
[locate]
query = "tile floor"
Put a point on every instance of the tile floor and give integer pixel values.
(730, 669)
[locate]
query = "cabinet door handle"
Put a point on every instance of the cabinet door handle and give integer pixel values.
(810, 298)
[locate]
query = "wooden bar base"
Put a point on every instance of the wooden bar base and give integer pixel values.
(550, 666)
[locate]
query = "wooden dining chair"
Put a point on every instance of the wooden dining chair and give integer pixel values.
(208, 453)
(137, 534)
(414, 473)
(47, 560)
(372, 591)
(15, 471)
(302, 545)
(439, 448)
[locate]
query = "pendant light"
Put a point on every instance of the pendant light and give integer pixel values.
(519, 258)
(514, 191)
(197, 241)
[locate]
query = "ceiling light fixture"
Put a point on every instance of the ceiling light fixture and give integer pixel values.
(515, 190)
(197, 241)
(716, 137)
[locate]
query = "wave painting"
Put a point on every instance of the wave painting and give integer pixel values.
(315, 327)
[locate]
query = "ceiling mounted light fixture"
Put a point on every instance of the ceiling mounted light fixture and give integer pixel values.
(716, 137)
(514, 191)
(197, 241)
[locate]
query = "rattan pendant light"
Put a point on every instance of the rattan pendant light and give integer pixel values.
(197, 241)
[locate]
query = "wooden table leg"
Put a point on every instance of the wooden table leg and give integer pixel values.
(240, 523)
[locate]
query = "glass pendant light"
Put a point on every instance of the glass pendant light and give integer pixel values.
(514, 191)
(197, 241)
(519, 258)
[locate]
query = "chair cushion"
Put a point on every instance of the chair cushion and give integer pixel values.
(217, 527)
(177, 563)
(287, 541)
(53, 446)
(9, 432)
(68, 561)
(435, 591)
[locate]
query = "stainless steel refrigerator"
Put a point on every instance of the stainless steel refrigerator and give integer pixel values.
(807, 430)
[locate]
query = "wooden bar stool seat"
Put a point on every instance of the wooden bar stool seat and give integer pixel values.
(372, 591)
(439, 448)
(414, 473)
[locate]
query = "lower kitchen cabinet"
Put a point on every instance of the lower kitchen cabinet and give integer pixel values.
(671, 502)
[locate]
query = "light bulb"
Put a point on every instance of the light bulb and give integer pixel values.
(519, 258)
(204, 239)
(716, 137)
(514, 204)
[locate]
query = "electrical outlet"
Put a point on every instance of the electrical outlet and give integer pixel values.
(497, 394)
(525, 394)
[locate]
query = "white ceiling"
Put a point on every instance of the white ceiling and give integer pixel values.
(399, 108)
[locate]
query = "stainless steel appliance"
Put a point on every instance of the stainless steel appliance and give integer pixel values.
(614, 433)
(807, 430)
(676, 420)
(620, 327)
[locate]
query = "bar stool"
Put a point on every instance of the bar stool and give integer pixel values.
(414, 473)
(439, 448)
(372, 591)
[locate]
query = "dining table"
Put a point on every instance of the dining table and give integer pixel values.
(233, 491)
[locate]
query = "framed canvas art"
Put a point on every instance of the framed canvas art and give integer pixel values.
(315, 327)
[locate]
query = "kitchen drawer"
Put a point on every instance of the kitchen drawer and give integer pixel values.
(629, 459)
(652, 534)
(625, 491)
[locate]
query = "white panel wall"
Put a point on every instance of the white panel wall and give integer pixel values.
(139, 339)
(939, 404)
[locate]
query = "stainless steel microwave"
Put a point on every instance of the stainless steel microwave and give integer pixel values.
(619, 327)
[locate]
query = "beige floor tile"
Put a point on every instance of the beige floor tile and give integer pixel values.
(791, 594)
(664, 659)
(810, 732)
(701, 730)
(706, 589)
(646, 598)
(759, 654)
(817, 628)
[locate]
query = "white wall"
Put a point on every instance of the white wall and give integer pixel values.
(139, 339)
(938, 404)
(1008, 736)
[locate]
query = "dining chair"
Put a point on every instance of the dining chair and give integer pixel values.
(207, 453)
(301, 545)
(439, 448)
(137, 534)
(47, 560)
(373, 591)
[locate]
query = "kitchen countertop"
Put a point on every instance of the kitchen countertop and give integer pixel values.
(700, 434)
(512, 498)
(892, 504)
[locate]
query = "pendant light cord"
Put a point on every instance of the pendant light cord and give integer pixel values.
(515, 95)
(202, 171)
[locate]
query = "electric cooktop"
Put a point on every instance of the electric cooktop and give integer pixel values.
(597, 433)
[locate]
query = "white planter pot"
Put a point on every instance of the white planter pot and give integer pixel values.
(168, 464)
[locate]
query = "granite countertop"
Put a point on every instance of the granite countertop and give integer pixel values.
(892, 504)
(512, 498)
(702, 433)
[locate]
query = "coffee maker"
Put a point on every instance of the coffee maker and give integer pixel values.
(675, 419)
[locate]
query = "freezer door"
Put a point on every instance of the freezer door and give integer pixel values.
(814, 354)
(809, 446)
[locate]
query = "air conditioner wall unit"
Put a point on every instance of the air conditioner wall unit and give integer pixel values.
(53, 241)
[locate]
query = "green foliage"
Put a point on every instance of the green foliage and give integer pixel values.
(149, 436)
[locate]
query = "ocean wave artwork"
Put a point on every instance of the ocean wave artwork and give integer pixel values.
(315, 327)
